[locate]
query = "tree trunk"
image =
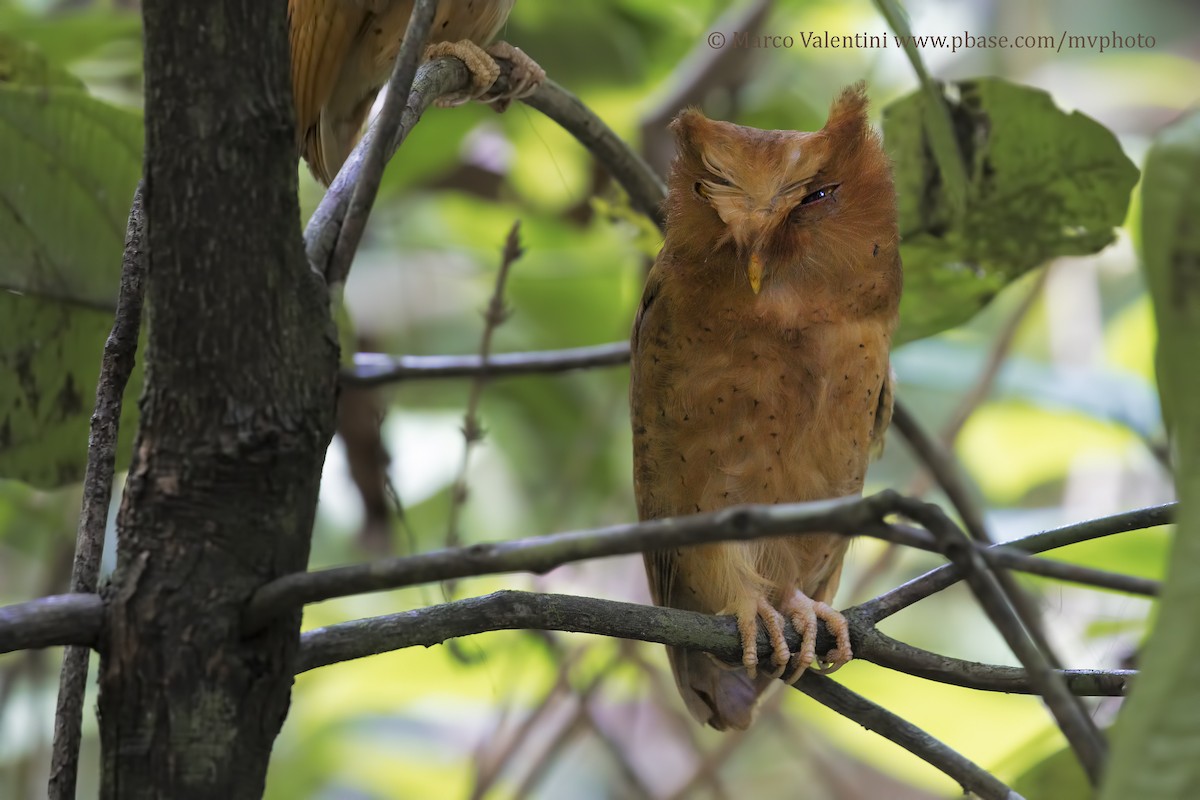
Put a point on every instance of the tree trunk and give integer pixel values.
(237, 411)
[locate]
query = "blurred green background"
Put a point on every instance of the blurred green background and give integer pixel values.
(1054, 378)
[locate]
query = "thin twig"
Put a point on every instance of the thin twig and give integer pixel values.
(496, 314)
(969, 775)
(943, 577)
(116, 365)
(373, 149)
(1078, 728)
(375, 369)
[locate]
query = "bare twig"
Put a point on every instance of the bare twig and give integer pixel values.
(116, 365)
(374, 369)
(373, 150)
(495, 316)
(943, 577)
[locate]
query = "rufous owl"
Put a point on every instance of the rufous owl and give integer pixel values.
(760, 374)
(343, 52)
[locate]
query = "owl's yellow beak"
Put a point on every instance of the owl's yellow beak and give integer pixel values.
(755, 272)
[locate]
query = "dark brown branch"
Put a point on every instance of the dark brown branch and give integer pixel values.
(541, 554)
(71, 619)
(870, 644)
(373, 149)
(375, 369)
(116, 365)
(851, 705)
(850, 516)
(515, 610)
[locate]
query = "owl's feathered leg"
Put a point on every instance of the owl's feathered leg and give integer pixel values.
(803, 612)
(749, 613)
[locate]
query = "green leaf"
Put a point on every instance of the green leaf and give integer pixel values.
(22, 65)
(69, 164)
(1056, 777)
(1156, 753)
(1042, 184)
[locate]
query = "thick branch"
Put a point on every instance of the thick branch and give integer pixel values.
(71, 619)
(514, 610)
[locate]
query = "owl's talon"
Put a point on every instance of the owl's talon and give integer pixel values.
(524, 80)
(747, 620)
(482, 67)
(803, 612)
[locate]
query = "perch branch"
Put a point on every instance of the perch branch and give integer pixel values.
(116, 365)
(516, 610)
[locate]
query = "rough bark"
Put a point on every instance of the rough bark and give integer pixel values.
(236, 414)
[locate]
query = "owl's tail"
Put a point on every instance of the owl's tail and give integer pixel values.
(715, 693)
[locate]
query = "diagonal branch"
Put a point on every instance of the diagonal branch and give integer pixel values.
(1078, 728)
(448, 75)
(116, 366)
(373, 149)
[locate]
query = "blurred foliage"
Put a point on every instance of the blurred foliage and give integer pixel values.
(1063, 435)
(1156, 752)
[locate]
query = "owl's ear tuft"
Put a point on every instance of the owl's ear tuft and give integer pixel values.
(688, 127)
(848, 115)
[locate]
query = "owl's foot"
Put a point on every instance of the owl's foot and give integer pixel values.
(482, 67)
(748, 616)
(524, 80)
(803, 612)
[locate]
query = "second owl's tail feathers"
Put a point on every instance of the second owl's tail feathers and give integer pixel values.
(715, 693)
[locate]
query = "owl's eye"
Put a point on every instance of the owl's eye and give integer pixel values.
(820, 194)
(718, 180)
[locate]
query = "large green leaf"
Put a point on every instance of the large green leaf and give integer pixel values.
(1156, 754)
(68, 167)
(1042, 184)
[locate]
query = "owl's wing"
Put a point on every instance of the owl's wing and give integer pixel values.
(883, 413)
(322, 34)
(649, 375)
